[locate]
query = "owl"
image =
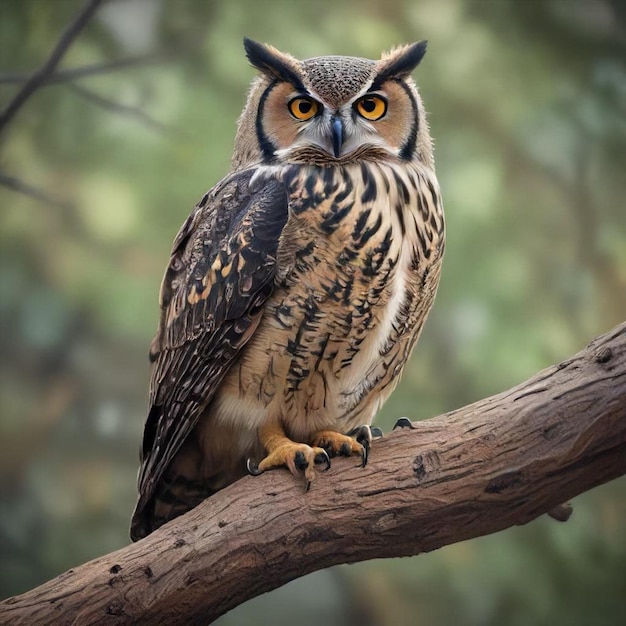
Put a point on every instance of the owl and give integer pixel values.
(298, 286)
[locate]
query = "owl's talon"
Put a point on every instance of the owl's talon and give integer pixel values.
(361, 434)
(366, 451)
(322, 458)
(328, 449)
(253, 468)
(357, 441)
(403, 422)
(299, 458)
(376, 432)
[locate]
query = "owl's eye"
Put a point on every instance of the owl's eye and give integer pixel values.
(372, 108)
(303, 108)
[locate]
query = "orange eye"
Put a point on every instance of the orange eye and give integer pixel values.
(303, 108)
(372, 108)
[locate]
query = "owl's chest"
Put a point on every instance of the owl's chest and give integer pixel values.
(339, 259)
(351, 267)
(338, 327)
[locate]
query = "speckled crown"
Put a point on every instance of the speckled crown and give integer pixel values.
(336, 78)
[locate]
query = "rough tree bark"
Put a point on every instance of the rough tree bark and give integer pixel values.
(499, 462)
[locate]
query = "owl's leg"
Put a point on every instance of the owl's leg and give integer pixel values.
(357, 441)
(281, 450)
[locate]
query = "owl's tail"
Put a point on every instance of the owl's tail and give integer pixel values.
(170, 500)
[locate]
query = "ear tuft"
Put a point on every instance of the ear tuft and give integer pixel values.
(272, 62)
(400, 62)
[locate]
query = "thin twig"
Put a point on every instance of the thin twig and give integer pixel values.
(122, 109)
(19, 186)
(76, 73)
(39, 76)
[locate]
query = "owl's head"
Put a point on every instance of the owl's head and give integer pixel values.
(332, 109)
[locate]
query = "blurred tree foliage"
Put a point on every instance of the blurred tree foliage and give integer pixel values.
(527, 103)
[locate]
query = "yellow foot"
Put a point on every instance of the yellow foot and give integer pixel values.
(298, 457)
(357, 441)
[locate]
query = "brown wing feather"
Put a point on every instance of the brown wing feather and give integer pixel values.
(220, 274)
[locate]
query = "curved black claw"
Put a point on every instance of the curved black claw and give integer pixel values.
(404, 422)
(327, 446)
(322, 458)
(366, 451)
(363, 435)
(376, 432)
(253, 468)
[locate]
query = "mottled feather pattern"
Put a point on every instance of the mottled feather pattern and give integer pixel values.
(220, 274)
(354, 244)
(335, 79)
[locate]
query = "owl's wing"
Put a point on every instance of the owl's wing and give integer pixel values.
(219, 276)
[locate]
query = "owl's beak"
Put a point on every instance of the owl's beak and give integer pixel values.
(337, 131)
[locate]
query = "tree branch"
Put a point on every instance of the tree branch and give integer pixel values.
(125, 110)
(19, 186)
(499, 462)
(39, 77)
(75, 73)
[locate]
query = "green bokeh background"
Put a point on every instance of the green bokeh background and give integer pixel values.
(527, 103)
